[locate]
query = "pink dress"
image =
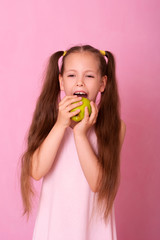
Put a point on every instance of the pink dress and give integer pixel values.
(66, 200)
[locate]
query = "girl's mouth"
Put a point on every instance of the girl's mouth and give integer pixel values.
(81, 94)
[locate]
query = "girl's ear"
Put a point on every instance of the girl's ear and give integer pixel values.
(61, 82)
(103, 83)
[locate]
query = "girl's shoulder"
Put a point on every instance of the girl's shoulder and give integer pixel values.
(122, 132)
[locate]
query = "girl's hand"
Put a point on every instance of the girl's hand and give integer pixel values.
(65, 106)
(88, 121)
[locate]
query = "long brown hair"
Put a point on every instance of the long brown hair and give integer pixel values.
(107, 127)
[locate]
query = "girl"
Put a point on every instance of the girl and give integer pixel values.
(79, 162)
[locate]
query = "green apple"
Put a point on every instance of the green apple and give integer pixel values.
(80, 115)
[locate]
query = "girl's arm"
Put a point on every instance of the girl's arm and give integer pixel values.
(88, 159)
(44, 156)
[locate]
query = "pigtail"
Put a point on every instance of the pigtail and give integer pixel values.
(107, 129)
(45, 114)
(44, 118)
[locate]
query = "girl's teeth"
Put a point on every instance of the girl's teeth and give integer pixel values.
(81, 94)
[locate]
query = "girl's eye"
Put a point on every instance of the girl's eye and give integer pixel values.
(90, 76)
(71, 75)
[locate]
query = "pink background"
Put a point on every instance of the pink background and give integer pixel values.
(30, 32)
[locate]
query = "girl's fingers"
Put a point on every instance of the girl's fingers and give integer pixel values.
(74, 113)
(67, 100)
(94, 113)
(86, 114)
(74, 105)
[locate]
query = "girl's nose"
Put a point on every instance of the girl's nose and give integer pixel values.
(80, 82)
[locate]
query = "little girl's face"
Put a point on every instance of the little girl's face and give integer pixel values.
(82, 75)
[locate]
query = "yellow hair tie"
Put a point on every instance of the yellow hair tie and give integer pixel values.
(103, 52)
(64, 53)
